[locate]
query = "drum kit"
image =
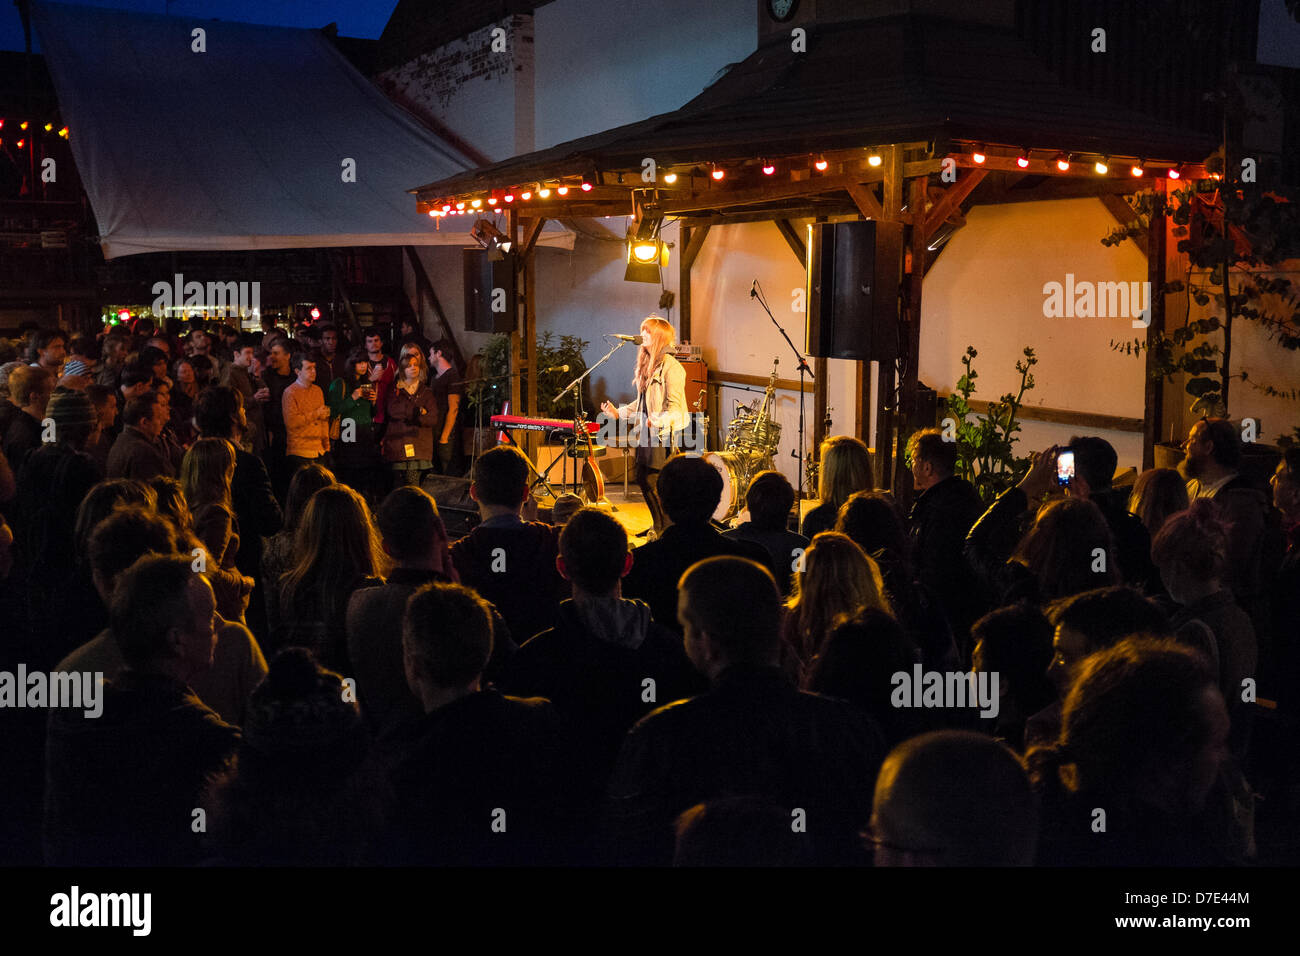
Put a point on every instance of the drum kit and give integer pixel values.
(752, 440)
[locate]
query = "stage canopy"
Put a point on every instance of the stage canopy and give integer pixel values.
(242, 146)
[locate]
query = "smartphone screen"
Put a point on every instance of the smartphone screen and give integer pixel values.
(1064, 468)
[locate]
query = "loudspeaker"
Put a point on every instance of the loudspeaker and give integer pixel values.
(490, 302)
(855, 270)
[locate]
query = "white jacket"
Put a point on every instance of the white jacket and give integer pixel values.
(665, 399)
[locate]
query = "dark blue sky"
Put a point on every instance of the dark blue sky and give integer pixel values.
(356, 18)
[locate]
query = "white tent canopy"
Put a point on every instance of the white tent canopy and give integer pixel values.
(245, 145)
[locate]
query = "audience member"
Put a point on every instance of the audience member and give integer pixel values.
(1157, 494)
(295, 793)
(478, 779)
(278, 551)
(139, 452)
(944, 510)
(449, 393)
(352, 403)
(845, 468)
(873, 522)
(338, 553)
(122, 785)
(1143, 738)
(1254, 539)
(411, 419)
(769, 500)
(953, 798)
(507, 560)
(415, 539)
(752, 734)
(30, 389)
(1082, 625)
(689, 490)
(1015, 643)
(739, 831)
(1192, 552)
(306, 417)
(606, 663)
(121, 539)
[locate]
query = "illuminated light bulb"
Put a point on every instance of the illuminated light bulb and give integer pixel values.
(1102, 167)
(1136, 170)
(23, 125)
(544, 193)
(446, 207)
(48, 127)
(563, 190)
(670, 178)
(768, 169)
(820, 165)
(646, 251)
(476, 203)
(525, 195)
(433, 212)
(64, 132)
(717, 174)
(459, 206)
(1175, 174)
(873, 160)
(508, 197)
(21, 143)
(586, 187)
(978, 157)
(492, 201)
(1023, 160)
(1063, 162)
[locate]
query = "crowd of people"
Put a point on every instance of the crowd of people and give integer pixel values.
(181, 510)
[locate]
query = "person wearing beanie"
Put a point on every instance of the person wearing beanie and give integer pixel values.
(294, 794)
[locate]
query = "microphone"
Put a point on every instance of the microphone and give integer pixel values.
(753, 290)
(556, 368)
(634, 339)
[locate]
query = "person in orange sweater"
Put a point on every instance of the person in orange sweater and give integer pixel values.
(306, 416)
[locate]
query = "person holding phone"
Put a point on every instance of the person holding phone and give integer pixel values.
(1082, 469)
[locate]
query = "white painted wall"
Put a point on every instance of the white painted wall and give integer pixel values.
(650, 59)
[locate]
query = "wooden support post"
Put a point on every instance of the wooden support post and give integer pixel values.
(684, 286)
(1153, 395)
(910, 336)
(886, 407)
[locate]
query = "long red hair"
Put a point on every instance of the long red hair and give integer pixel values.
(656, 339)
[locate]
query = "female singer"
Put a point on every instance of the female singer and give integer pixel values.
(659, 408)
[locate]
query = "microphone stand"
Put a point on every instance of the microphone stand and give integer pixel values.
(754, 293)
(579, 421)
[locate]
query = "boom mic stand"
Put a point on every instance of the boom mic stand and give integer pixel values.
(756, 293)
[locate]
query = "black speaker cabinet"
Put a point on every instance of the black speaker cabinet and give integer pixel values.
(855, 270)
(490, 303)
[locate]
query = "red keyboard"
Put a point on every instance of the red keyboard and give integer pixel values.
(520, 423)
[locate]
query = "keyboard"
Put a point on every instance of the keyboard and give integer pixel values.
(520, 423)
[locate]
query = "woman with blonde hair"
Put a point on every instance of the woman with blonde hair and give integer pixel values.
(659, 408)
(231, 589)
(838, 579)
(845, 468)
(339, 552)
(207, 470)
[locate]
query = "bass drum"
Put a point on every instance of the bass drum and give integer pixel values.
(732, 468)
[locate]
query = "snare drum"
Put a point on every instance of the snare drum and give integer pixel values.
(734, 471)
